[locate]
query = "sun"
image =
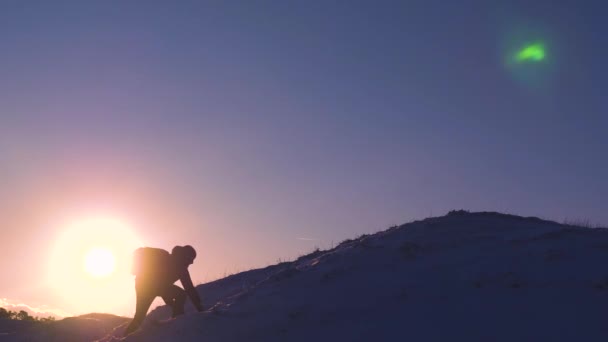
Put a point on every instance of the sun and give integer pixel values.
(89, 266)
(99, 262)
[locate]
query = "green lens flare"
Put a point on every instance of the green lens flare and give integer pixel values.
(531, 53)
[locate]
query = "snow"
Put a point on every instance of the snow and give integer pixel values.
(464, 276)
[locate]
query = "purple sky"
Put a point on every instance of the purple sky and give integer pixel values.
(257, 130)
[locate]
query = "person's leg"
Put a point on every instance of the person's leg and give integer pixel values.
(144, 300)
(175, 297)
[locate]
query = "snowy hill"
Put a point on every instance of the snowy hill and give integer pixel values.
(460, 277)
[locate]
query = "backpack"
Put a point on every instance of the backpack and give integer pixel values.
(147, 260)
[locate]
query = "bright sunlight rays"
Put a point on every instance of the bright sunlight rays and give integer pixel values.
(89, 266)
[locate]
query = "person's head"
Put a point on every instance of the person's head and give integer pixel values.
(184, 254)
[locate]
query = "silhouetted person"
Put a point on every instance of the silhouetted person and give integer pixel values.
(155, 272)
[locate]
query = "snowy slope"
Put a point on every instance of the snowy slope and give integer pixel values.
(469, 277)
(461, 277)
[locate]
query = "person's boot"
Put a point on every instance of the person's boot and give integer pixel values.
(178, 305)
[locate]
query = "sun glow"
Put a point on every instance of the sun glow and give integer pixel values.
(99, 262)
(89, 266)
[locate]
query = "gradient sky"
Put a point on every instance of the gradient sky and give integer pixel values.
(257, 130)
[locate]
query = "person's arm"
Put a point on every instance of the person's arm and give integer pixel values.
(191, 291)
